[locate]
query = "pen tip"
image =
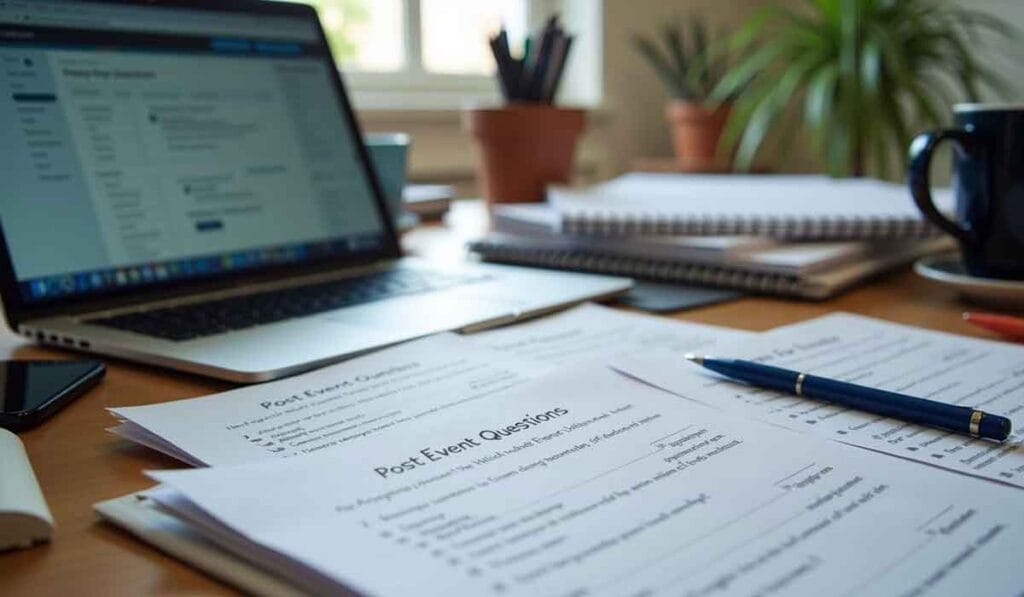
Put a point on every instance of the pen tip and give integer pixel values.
(695, 358)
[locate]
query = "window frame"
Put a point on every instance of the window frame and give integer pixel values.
(400, 88)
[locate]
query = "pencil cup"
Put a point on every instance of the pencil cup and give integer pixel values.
(523, 148)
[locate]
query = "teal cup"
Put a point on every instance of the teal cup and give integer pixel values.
(389, 154)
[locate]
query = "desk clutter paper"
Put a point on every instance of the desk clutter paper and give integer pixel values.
(594, 333)
(934, 365)
(589, 483)
(518, 462)
(325, 409)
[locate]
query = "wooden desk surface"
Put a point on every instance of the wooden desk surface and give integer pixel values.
(78, 463)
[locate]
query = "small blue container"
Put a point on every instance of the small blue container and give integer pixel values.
(389, 153)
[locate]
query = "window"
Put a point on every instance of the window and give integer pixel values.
(424, 53)
(365, 35)
(453, 33)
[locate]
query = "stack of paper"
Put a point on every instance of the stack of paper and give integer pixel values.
(554, 474)
(589, 483)
(400, 387)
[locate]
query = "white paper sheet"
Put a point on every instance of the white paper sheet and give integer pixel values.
(713, 197)
(402, 385)
(593, 332)
(955, 369)
(325, 408)
(588, 483)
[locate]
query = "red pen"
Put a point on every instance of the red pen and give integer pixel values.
(1005, 325)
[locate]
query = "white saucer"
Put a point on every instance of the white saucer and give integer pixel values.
(948, 269)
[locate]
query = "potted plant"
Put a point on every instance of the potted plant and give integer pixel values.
(529, 142)
(690, 71)
(863, 75)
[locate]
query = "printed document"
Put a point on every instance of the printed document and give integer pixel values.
(970, 372)
(325, 409)
(588, 483)
(593, 332)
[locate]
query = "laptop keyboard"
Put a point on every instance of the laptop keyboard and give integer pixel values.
(187, 322)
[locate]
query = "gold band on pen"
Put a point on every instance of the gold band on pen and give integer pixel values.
(975, 427)
(800, 384)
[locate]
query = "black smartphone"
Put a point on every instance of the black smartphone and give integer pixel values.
(34, 390)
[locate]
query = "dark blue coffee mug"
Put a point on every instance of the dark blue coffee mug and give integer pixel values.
(988, 167)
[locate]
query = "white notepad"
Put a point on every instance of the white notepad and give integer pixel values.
(791, 206)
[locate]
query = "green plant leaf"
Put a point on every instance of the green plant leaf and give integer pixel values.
(701, 74)
(677, 51)
(748, 34)
(967, 68)
(661, 66)
(898, 132)
(688, 73)
(743, 109)
(975, 19)
(744, 72)
(819, 99)
(870, 66)
(769, 110)
(924, 103)
(868, 72)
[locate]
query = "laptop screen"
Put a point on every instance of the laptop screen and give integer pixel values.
(146, 144)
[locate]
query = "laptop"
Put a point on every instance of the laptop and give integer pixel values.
(184, 185)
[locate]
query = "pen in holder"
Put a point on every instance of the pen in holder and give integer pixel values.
(529, 142)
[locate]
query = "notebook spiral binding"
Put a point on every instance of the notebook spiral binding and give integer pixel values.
(603, 223)
(649, 269)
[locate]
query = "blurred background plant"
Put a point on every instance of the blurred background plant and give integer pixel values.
(691, 65)
(863, 75)
(687, 68)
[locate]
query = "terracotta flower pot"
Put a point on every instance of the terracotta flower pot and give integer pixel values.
(696, 131)
(523, 148)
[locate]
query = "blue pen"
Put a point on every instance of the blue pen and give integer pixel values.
(961, 419)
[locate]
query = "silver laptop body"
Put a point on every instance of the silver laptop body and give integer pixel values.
(199, 164)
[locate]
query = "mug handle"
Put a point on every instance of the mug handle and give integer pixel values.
(921, 149)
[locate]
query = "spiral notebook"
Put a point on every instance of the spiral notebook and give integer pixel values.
(794, 271)
(528, 235)
(792, 207)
